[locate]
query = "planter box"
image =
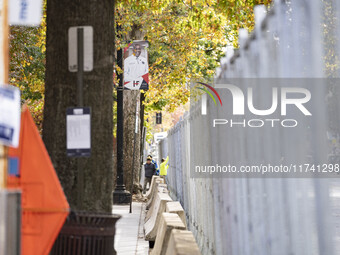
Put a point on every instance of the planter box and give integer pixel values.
(86, 234)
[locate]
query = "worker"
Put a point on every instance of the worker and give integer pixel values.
(164, 167)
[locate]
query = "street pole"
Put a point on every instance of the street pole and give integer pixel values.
(80, 103)
(142, 99)
(4, 80)
(120, 195)
(5, 29)
(80, 60)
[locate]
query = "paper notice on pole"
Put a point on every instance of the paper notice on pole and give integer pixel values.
(78, 124)
(25, 12)
(9, 115)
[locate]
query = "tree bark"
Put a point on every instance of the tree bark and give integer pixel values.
(130, 99)
(95, 194)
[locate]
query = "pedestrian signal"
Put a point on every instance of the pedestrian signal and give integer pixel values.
(158, 118)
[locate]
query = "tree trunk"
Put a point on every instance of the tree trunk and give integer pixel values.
(130, 99)
(87, 182)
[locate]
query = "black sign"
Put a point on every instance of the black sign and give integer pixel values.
(158, 118)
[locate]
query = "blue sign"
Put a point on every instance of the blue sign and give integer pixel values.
(10, 115)
(25, 12)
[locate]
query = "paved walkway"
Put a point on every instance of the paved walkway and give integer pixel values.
(129, 237)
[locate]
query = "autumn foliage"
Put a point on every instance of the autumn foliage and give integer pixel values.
(187, 40)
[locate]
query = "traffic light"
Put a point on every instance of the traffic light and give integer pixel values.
(158, 118)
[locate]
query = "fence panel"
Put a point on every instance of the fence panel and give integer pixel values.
(295, 39)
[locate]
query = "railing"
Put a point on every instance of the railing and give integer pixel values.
(267, 215)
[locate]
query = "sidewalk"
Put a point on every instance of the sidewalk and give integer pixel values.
(129, 237)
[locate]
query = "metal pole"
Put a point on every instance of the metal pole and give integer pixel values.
(10, 220)
(120, 195)
(80, 60)
(80, 103)
(120, 126)
(143, 134)
(142, 99)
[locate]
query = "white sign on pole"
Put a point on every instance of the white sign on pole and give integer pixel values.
(78, 135)
(10, 115)
(25, 12)
(73, 48)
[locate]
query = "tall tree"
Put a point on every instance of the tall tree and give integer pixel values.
(87, 182)
(131, 98)
(187, 38)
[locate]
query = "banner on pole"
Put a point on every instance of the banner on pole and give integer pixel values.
(136, 66)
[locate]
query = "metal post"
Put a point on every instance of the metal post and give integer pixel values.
(10, 203)
(80, 103)
(143, 134)
(142, 99)
(120, 195)
(80, 64)
(10, 222)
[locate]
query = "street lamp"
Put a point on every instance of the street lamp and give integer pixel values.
(120, 194)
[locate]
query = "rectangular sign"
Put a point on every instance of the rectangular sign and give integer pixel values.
(136, 66)
(78, 132)
(10, 115)
(25, 12)
(73, 48)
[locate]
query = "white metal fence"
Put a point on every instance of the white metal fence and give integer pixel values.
(268, 215)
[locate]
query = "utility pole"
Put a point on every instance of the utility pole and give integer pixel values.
(4, 71)
(120, 195)
(80, 103)
(10, 201)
